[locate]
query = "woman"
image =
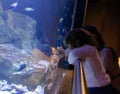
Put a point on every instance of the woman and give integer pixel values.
(83, 48)
(107, 54)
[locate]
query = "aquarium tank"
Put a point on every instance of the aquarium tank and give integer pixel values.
(31, 31)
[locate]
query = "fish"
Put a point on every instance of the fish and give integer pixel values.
(29, 9)
(61, 19)
(14, 5)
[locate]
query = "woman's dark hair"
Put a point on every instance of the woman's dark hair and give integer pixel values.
(79, 37)
(93, 30)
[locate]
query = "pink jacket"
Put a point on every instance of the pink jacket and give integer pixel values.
(95, 73)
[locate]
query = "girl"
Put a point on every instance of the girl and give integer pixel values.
(83, 48)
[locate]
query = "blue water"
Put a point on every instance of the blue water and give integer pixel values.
(46, 13)
(29, 24)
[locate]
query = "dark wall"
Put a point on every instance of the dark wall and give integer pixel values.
(105, 16)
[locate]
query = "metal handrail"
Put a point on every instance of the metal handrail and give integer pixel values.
(83, 81)
(79, 81)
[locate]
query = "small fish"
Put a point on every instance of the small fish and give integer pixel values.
(14, 5)
(29, 9)
(61, 19)
(21, 67)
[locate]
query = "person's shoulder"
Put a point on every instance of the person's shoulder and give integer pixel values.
(110, 50)
(89, 47)
(107, 49)
(85, 48)
(114, 54)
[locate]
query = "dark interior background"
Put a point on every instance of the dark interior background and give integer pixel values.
(105, 15)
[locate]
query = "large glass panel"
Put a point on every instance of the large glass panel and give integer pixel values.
(29, 30)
